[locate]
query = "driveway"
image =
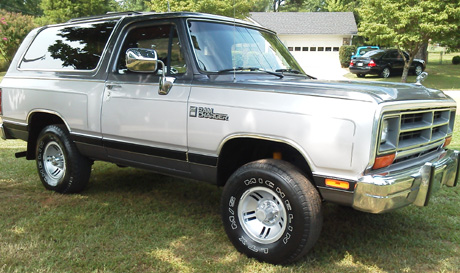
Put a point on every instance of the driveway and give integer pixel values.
(327, 73)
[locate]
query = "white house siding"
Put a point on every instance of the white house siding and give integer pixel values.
(325, 56)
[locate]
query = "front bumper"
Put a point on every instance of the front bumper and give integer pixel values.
(382, 193)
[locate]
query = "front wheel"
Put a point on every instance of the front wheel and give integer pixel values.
(60, 166)
(271, 211)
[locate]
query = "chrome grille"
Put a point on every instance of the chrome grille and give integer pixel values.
(412, 133)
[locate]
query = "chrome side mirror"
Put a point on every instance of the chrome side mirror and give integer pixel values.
(141, 60)
(145, 60)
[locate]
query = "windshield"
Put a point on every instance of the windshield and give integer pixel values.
(221, 47)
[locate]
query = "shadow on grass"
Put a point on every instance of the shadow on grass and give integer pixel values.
(131, 220)
(191, 235)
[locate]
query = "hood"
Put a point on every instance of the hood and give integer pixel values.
(354, 90)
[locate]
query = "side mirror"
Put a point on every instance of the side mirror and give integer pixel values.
(141, 60)
(146, 61)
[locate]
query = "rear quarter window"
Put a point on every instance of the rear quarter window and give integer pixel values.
(72, 47)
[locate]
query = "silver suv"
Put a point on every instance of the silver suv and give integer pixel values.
(215, 99)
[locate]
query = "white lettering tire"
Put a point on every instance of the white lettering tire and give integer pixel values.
(60, 166)
(271, 211)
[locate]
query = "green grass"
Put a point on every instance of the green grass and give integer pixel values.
(438, 58)
(130, 220)
(444, 77)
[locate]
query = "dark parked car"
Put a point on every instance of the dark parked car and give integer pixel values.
(384, 62)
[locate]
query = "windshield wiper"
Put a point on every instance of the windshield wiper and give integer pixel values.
(290, 70)
(295, 71)
(250, 69)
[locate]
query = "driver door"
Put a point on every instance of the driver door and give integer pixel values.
(141, 127)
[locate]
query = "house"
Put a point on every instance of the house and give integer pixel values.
(314, 38)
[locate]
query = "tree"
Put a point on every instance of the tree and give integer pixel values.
(239, 8)
(58, 11)
(29, 7)
(408, 24)
(13, 28)
(133, 5)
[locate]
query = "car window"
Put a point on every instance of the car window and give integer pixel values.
(393, 55)
(164, 39)
(366, 50)
(71, 47)
(219, 46)
(374, 54)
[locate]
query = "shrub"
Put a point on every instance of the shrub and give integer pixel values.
(345, 53)
(456, 60)
(13, 28)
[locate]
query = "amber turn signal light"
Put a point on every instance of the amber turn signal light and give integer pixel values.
(383, 161)
(447, 141)
(337, 184)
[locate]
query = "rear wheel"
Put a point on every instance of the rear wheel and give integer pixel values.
(271, 211)
(386, 72)
(60, 166)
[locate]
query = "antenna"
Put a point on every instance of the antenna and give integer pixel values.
(234, 38)
(169, 7)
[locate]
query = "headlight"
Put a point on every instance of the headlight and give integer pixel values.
(384, 135)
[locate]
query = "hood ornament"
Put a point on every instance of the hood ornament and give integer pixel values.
(420, 78)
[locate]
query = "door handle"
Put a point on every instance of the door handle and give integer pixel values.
(113, 86)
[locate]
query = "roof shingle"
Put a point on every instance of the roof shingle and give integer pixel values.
(307, 22)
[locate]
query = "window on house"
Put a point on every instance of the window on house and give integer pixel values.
(290, 48)
(297, 48)
(329, 48)
(312, 48)
(335, 49)
(321, 48)
(304, 48)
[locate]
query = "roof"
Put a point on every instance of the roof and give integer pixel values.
(307, 22)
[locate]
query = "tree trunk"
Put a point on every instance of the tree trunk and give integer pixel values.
(405, 73)
(423, 53)
(407, 64)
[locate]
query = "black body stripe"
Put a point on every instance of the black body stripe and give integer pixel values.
(147, 150)
(203, 159)
(87, 139)
(14, 126)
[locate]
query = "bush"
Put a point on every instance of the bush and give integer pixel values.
(456, 60)
(13, 28)
(345, 53)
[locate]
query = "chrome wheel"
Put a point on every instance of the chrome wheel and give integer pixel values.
(262, 215)
(54, 163)
(386, 72)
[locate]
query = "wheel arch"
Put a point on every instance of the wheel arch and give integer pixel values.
(37, 120)
(239, 150)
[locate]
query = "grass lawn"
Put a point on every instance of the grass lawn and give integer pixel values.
(444, 77)
(129, 220)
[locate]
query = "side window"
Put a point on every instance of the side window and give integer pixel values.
(68, 48)
(392, 55)
(162, 38)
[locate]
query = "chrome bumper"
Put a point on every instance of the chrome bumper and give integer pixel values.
(382, 193)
